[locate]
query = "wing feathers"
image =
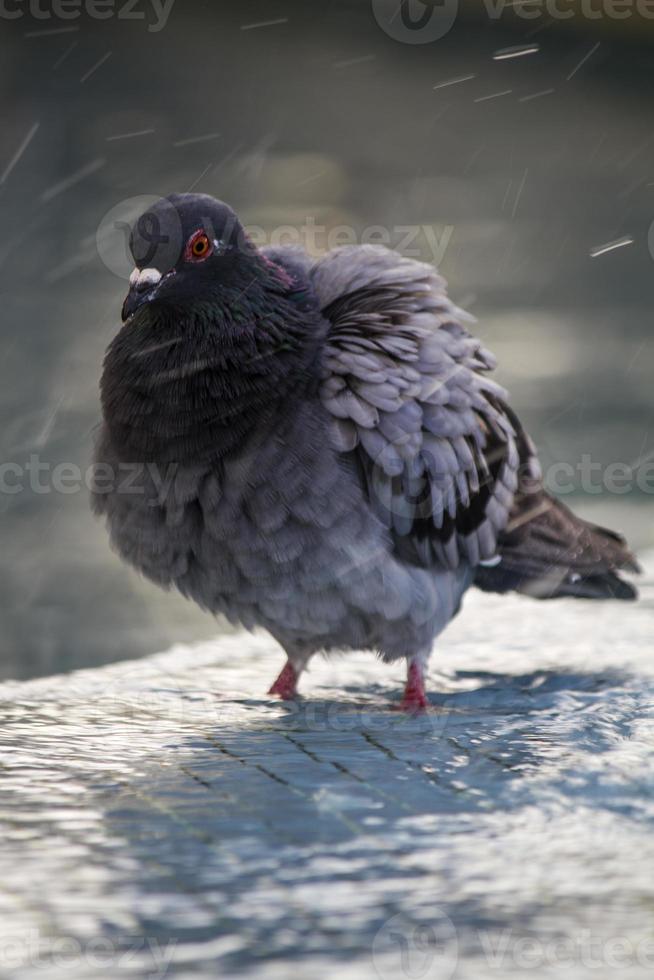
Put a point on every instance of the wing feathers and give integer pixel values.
(407, 385)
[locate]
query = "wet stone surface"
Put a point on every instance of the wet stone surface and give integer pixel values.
(165, 818)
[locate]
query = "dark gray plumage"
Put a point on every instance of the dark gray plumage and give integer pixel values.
(316, 447)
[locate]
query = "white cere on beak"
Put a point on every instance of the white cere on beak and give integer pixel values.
(142, 278)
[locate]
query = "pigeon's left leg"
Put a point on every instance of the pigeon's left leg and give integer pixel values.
(285, 686)
(414, 698)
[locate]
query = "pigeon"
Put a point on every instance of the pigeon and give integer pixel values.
(316, 447)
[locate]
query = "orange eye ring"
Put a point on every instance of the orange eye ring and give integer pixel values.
(198, 247)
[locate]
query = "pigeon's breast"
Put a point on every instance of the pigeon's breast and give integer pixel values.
(270, 533)
(280, 535)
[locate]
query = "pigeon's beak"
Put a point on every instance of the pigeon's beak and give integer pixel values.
(143, 285)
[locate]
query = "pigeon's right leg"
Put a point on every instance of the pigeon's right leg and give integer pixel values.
(285, 686)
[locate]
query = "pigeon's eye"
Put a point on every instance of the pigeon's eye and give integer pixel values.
(198, 247)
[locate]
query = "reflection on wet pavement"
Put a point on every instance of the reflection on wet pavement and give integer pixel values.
(163, 817)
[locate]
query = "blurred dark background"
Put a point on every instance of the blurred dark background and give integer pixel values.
(307, 110)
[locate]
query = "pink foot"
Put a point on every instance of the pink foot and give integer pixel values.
(414, 699)
(285, 686)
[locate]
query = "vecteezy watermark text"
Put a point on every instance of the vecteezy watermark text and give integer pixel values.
(156, 483)
(127, 479)
(565, 9)
(413, 241)
(160, 235)
(113, 955)
(426, 21)
(155, 12)
(428, 949)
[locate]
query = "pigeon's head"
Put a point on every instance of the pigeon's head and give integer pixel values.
(188, 249)
(215, 331)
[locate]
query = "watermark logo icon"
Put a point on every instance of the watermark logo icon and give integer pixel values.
(155, 238)
(415, 21)
(416, 950)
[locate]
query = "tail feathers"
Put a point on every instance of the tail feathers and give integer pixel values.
(554, 583)
(547, 552)
(607, 586)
